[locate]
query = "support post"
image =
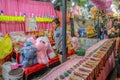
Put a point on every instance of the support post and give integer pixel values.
(104, 24)
(72, 26)
(64, 49)
(98, 25)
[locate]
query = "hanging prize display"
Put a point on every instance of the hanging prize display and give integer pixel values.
(31, 24)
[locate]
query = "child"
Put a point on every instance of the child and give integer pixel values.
(58, 37)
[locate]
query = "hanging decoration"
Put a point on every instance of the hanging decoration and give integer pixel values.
(30, 24)
(102, 4)
(11, 18)
(22, 18)
(108, 3)
(99, 3)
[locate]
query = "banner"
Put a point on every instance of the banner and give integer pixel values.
(31, 24)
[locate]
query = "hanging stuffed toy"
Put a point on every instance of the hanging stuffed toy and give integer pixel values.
(76, 10)
(75, 43)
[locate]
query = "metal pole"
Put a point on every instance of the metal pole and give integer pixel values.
(72, 26)
(104, 24)
(98, 26)
(64, 51)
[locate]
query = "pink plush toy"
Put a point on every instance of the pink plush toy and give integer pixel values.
(75, 10)
(50, 50)
(42, 47)
(75, 43)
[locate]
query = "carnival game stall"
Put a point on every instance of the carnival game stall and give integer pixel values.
(28, 48)
(94, 66)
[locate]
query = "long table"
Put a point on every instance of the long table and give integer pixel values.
(99, 71)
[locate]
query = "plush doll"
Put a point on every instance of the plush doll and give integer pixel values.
(28, 55)
(75, 43)
(42, 46)
(50, 50)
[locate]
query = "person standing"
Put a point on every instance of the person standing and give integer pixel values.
(57, 36)
(114, 33)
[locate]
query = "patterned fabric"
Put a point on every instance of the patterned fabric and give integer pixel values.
(58, 39)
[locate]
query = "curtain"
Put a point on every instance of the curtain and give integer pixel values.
(29, 7)
(6, 27)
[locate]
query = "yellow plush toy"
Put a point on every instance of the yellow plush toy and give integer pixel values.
(69, 44)
(90, 30)
(5, 46)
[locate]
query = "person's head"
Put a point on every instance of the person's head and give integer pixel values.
(83, 22)
(56, 23)
(115, 22)
(111, 18)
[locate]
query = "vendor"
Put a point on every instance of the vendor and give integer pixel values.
(57, 35)
(115, 29)
(114, 33)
